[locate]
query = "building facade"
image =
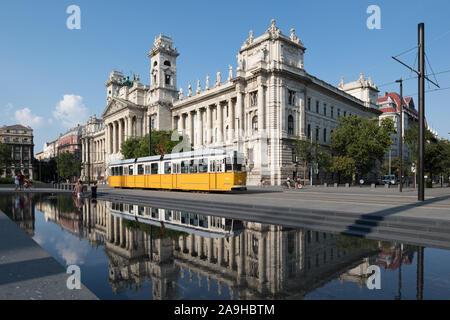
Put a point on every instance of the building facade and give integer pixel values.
(260, 108)
(50, 150)
(389, 105)
(70, 142)
(20, 138)
(93, 150)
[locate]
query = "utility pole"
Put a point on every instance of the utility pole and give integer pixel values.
(89, 162)
(400, 147)
(420, 168)
(421, 135)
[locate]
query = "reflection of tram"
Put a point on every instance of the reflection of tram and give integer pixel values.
(203, 169)
(202, 225)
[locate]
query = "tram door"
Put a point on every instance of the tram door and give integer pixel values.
(212, 175)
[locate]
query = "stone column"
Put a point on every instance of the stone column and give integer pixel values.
(200, 126)
(208, 124)
(114, 137)
(129, 126)
(240, 119)
(120, 133)
(220, 117)
(232, 253)
(220, 256)
(241, 261)
(262, 259)
(210, 249)
(232, 122)
(190, 127)
(261, 115)
(191, 245)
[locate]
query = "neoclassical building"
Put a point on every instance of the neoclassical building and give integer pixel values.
(260, 108)
(93, 149)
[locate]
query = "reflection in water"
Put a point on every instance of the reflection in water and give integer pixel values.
(245, 260)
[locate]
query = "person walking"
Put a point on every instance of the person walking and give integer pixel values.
(16, 182)
(288, 181)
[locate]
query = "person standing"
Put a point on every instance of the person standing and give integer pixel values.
(16, 182)
(288, 181)
(21, 180)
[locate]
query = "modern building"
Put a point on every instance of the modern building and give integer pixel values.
(20, 138)
(260, 108)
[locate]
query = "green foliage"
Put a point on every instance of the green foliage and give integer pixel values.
(411, 137)
(5, 156)
(68, 165)
(138, 147)
(343, 166)
(362, 140)
(7, 180)
(157, 232)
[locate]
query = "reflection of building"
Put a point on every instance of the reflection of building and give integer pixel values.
(20, 138)
(20, 208)
(258, 262)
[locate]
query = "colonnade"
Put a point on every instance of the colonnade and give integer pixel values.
(118, 131)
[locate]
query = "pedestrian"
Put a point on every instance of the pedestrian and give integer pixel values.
(262, 182)
(16, 181)
(299, 183)
(21, 180)
(295, 182)
(288, 181)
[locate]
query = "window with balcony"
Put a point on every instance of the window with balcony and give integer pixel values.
(290, 125)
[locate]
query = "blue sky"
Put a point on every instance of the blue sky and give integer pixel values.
(53, 77)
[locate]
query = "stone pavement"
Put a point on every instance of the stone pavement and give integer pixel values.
(28, 272)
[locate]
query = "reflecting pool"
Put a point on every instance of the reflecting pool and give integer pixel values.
(127, 251)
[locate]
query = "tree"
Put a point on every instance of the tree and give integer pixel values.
(138, 147)
(306, 151)
(363, 140)
(343, 166)
(5, 156)
(68, 165)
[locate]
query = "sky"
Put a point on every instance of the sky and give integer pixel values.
(53, 77)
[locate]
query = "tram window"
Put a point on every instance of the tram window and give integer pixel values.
(147, 169)
(203, 166)
(125, 171)
(120, 171)
(184, 167)
(168, 216)
(212, 166)
(155, 213)
(130, 170)
(140, 169)
(141, 210)
(193, 166)
(154, 168)
(228, 165)
(176, 168)
(167, 168)
(218, 166)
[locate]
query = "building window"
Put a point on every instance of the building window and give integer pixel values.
(324, 109)
(345, 113)
(332, 112)
(167, 79)
(255, 123)
(309, 131)
(291, 97)
(253, 98)
(290, 125)
(167, 63)
(317, 106)
(309, 104)
(317, 133)
(339, 113)
(324, 134)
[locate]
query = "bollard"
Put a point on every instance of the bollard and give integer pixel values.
(372, 186)
(325, 184)
(347, 185)
(386, 186)
(335, 185)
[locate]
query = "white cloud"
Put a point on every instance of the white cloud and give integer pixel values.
(27, 118)
(71, 111)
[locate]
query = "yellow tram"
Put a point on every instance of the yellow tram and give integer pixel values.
(202, 169)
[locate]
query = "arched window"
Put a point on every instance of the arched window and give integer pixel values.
(155, 63)
(255, 123)
(290, 125)
(167, 63)
(255, 244)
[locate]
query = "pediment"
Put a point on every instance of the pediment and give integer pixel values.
(112, 107)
